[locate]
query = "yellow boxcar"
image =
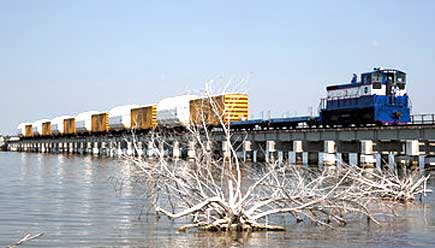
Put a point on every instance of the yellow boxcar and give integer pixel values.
(69, 126)
(100, 123)
(28, 132)
(144, 117)
(46, 129)
(230, 107)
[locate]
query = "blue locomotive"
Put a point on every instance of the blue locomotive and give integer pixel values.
(379, 98)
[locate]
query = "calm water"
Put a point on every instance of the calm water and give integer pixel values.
(76, 203)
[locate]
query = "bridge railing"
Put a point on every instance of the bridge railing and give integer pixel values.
(423, 119)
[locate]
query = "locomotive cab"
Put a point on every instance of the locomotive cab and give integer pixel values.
(385, 82)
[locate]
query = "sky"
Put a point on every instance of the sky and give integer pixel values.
(67, 57)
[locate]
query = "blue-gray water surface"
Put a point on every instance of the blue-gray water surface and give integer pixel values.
(76, 202)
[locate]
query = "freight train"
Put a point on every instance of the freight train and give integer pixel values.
(378, 98)
(169, 113)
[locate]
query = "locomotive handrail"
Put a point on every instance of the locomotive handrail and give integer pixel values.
(423, 119)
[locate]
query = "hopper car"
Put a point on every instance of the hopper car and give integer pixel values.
(83, 122)
(38, 127)
(144, 117)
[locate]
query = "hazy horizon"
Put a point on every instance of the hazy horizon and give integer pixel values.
(68, 57)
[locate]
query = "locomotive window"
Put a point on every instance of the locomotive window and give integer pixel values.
(376, 77)
(401, 86)
(366, 78)
(377, 85)
(401, 78)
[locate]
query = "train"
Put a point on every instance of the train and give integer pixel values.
(378, 97)
(170, 113)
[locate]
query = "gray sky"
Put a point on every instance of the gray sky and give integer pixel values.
(67, 57)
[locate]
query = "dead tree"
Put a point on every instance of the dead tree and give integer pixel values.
(214, 194)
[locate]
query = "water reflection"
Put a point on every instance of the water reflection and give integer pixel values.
(72, 199)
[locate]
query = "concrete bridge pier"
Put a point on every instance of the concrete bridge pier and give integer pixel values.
(305, 159)
(103, 148)
(81, 148)
(89, 147)
(296, 155)
(367, 157)
(176, 153)
(60, 146)
(378, 159)
(254, 156)
(42, 149)
(75, 147)
(339, 157)
(226, 150)
(391, 161)
(280, 157)
(54, 147)
(292, 158)
(421, 162)
(70, 147)
(150, 149)
(328, 157)
(270, 151)
(139, 149)
(353, 159)
(109, 149)
(119, 150)
(247, 151)
(95, 150)
(191, 152)
(412, 150)
(129, 151)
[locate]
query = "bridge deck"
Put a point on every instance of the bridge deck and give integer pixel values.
(403, 132)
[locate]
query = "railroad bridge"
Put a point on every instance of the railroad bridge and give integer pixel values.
(379, 146)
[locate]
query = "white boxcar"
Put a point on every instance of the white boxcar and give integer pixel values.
(84, 121)
(37, 127)
(57, 124)
(21, 129)
(174, 111)
(120, 117)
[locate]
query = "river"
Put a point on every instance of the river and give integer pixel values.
(78, 202)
